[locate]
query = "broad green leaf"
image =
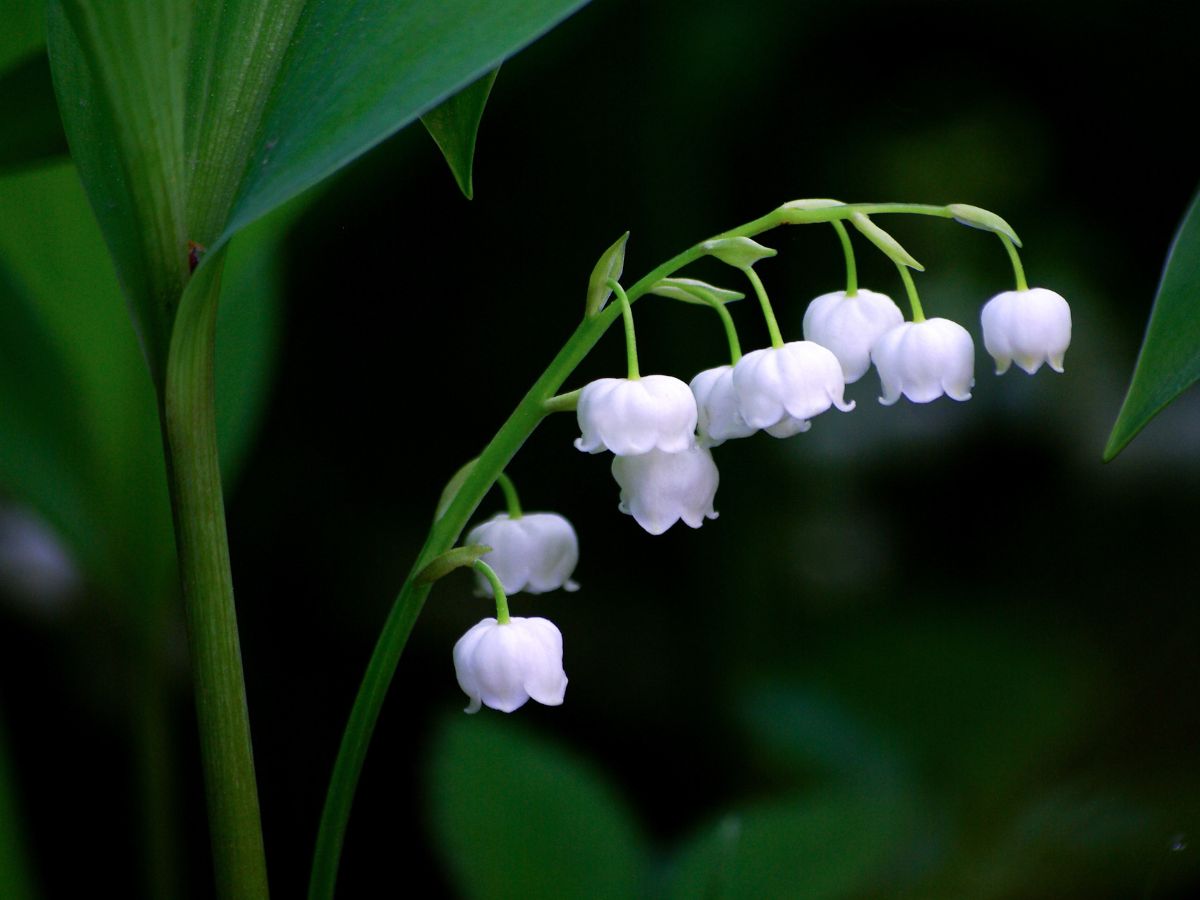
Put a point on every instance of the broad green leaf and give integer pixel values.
(692, 290)
(740, 252)
(1169, 362)
(119, 73)
(609, 266)
(516, 816)
(815, 847)
(356, 72)
(454, 126)
(885, 242)
(24, 30)
(30, 129)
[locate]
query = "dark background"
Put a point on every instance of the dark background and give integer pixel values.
(1010, 623)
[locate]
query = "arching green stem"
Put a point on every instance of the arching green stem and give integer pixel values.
(463, 502)
(735, 346)
(768, 313)
(497, 590)
(510, 496)
(918, 314)
(1018, 269)
(848, 252)
(630, 336)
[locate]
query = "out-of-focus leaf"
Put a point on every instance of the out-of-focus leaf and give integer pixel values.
(51, 245)
(610, 265)
(1169, 362)
(15, 877)
(454, 125)
(355, 73)
(24, 30)
(119, 72)
(827, 845)
(30, 129)
(515, 816)
(43, 456)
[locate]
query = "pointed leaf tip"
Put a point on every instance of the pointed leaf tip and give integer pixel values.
(1169, 361)
(454, 127)
(986, 220)
(739, 252)
(885, 242)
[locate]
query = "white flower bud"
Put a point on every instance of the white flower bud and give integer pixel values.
(502, 666)
(850, 326)
(718, 418)
(658, 489)
(1028, 327)
(633, 416)
(535, 553)
(924, 360)
(780, 388)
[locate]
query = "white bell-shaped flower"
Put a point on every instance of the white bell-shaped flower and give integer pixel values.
(534, 553)
(717, 418)
(1027, 327)
(850, 326)
(923, 360)
(658, 489)
(632, 416)
(780, 388)
(503, 665)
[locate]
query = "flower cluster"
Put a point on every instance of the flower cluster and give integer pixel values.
(662, 431)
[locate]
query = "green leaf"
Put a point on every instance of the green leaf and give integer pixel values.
(831, 844)
(1169, 362)
(516, 816)
(54, 251)
(976, 217)
(24, 30)
(740, 252)
(608, 267)
(119, 73)
(335, 98)
(885, 242)
(692, 290)
(454, 126)
(30, 128)
(15, 872)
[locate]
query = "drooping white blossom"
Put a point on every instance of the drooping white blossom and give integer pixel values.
(923, 360)
(718, 419)
(503, 665)
(534, 553)
(658, 489)
(633, 416)
(780, 388)
(1027, 327)
(850, 325)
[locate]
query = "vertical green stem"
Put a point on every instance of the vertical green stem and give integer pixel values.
(202, 544)
(1018, 269)
(768, 313)
(510, 496)
(630, 337)
(848, 252)
(918, 314)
